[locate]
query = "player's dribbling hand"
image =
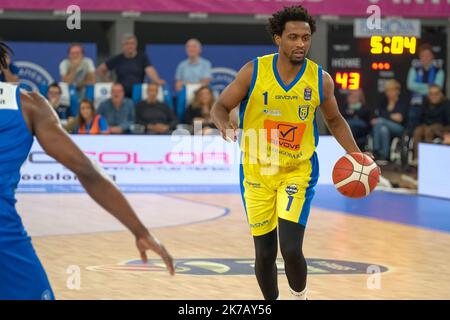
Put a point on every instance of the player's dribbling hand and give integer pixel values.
(370, 155)
(228, 131)
(150, 243)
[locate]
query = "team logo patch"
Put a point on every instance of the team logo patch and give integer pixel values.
(292, 189)
(303, 112)
(307, 94)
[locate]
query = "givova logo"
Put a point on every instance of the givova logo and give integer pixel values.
(231, 267)
(32, 75)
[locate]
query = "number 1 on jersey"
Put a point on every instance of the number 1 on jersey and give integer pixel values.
(266, 96)
(289, 203)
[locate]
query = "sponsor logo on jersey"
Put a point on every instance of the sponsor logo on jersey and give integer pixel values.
(285, 97)
(259, 224)
(275, 113)
(291, 189)
(307, 94)
(253, 184)
(284, 134)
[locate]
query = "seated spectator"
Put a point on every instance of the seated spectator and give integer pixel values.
(194, 69)
(433, 119)
(118, 110)
(198, 113)
(131, 66)
(9, 74)
(77, 69)
(446, 139)
(155, 116)
(357, 115)
(388, 119)
(63, 111)
(426, 74)
(88, 122)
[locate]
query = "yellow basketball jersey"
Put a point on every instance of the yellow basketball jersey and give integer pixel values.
(278, 121)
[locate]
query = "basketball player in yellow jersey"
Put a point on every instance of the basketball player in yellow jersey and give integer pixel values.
(278, 96)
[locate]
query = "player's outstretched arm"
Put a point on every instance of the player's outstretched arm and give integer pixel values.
(333, 118)
(57, 143)
(229, 99)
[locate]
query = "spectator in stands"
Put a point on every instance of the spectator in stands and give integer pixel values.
(88, 122)
(357, 115)
(77, 69)
(434, 117)
(194, 69)
(118, 110)
(388, 119)
(157, 117)
(9, 74)
(198, 114)
(426, 74)
(63, 111)
(446, 139)
(131, 66)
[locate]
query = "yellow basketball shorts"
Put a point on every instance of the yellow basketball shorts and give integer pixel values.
(287, 194)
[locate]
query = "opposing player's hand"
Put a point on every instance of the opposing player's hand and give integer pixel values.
(148, 242)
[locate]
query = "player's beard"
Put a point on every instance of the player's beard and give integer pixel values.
(296, 62)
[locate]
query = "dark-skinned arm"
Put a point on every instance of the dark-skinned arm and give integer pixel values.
(57, 143)
(333, 118)
(229, 99)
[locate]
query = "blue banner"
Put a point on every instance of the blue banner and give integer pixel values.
(38, 62)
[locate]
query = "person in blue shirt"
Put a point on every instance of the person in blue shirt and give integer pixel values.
(118, 110)
(23, 116)
(425, 74)
(194, 69)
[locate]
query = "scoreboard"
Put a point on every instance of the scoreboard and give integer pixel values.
(368, 62)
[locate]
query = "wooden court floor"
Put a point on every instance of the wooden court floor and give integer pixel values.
(70, 230)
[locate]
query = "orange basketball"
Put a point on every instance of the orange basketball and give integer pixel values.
(355, 175)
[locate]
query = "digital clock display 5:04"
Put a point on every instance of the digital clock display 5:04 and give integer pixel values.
(393, 45)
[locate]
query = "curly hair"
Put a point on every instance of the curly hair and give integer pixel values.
(5, 51)
(295, 13)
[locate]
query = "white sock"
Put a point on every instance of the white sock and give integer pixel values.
(298, 295)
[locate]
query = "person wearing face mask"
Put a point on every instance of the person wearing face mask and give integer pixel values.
(388, 119)
(357, 115)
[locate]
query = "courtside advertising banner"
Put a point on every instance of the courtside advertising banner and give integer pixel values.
(156, 164)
